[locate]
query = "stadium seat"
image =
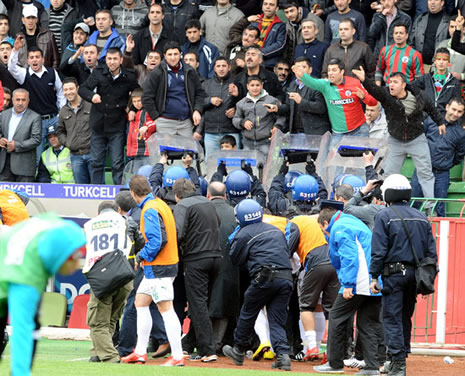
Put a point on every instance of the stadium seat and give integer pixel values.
(77, 319)
(52, 309)
(408, 168)
(457, 191)
(108, 178)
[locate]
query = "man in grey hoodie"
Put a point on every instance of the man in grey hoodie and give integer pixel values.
(129, 16)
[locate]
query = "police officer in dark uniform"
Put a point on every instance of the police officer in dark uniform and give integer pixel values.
(263, 249)
(285, 200)
(392, 257)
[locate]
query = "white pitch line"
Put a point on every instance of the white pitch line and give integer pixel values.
(77, 360)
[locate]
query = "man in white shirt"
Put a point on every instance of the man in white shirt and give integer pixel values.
(42, 83)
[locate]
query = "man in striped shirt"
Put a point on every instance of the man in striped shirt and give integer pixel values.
(399, 57)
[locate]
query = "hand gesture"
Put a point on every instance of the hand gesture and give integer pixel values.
(96, 99)
(187, 161)
(368, 158)
(271, 107)
(442, 129)
(130, 44)
(248, 125)
(216, 101)
(19, 42)
(459, 21)
(78, 53)
(359, 73)
(164, 159)
(298, 71)
(296, 97)
(230, 112)
(233, 90)
(255, 18)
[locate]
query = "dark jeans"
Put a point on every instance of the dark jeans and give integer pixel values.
(99, 143)
(399, 298)
(367, 308)
(199, 276)
(275, 296)
(81, 165)
(441, 187)
(128, 330)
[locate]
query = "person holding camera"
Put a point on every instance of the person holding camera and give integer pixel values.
(262, 248)
(392, 258)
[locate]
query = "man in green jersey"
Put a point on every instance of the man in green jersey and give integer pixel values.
(30, 253)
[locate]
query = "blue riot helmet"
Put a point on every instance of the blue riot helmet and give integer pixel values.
(203, 186)
(289, 180)
(356, 182)
(248, 211)
(238, 184)
(145, 170)
(305, 188)
(22, 195)
(172, 174)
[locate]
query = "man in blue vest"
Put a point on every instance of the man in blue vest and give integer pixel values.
(42, 83)
(55, 162)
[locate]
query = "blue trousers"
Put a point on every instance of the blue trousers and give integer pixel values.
(128, 330)
(275, 296)
(23, 303)
(99, 144)
(399, 297)
(441, 187)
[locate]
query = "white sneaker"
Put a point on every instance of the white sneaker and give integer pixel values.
(354, 363)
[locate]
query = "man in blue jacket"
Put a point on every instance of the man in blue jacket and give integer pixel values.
(206, 52)
(350, 254)
(105, 36)
(272, 33)
(446, 151)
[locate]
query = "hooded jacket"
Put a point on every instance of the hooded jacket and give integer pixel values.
(350, 252)
(274, 43)
(207, 54)
(253, 109)
(114, 41)
(129, 20)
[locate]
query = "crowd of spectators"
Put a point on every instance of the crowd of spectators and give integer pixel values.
(191, 62)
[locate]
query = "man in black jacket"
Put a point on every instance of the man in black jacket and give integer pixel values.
(113, 84)
(173, 94)
(153, 37)
(404, 106)
(197, 227)
(218, 108)
(305, 107)
(177, 13)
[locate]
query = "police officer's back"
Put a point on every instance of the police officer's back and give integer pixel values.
(392, 257)
(263, 248)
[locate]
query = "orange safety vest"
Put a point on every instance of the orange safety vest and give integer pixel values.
(169, 254)
(279, 222)
(12, 208)
(311, 235)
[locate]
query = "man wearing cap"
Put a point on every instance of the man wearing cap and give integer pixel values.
(15, 12)
(43, 84)
(36, 36)
(74, 49)
(55, 162)
(20, 134)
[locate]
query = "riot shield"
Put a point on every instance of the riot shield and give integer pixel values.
(296, 149)
(234, 160)
(346, 157)
(132, 167)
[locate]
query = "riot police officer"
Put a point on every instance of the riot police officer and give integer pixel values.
(263, 249)
(392, 257)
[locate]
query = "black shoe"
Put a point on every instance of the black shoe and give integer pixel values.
(282, 362)
(398, 368)
(94, 359)
(235, 354)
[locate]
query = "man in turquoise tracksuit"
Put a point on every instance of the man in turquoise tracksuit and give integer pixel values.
(30, 253)
(350, 254)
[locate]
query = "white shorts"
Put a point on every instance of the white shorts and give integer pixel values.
(160, 289)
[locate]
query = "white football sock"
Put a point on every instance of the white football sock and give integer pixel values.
(173, 332)
(144, 327)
